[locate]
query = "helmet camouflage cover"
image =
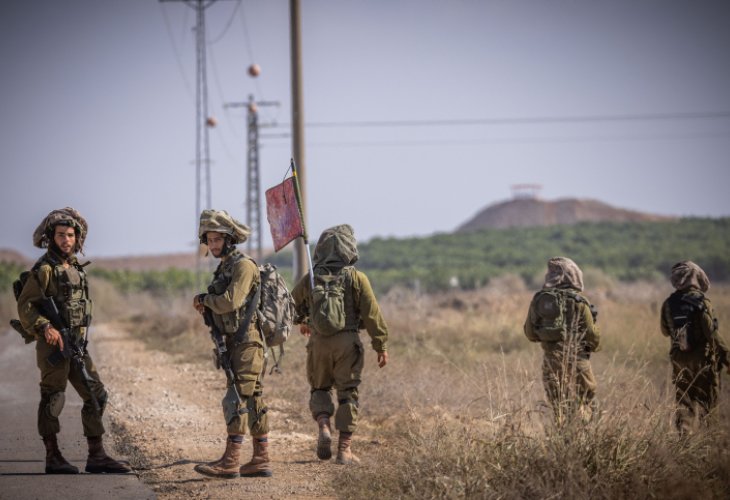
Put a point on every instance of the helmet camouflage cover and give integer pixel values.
(686, 274)
(68, 216)
(336, 248)
(563, 272)
(220, 221)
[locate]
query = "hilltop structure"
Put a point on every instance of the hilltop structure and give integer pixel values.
(530, 211)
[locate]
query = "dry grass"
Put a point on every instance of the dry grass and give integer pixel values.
(460, 413)
(463, 415)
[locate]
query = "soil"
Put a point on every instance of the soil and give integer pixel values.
(166, 417)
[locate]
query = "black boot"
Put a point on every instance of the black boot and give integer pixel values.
(99, 462)
(55, 463)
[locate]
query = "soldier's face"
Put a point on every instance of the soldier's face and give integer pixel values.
(216, 242)
(65, 238)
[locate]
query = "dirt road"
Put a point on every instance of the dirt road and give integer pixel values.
(22, 456)
(167, 417)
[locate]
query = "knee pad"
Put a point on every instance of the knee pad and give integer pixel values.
(102, 399)
(55, 403)
(348, 396)
(231, 406)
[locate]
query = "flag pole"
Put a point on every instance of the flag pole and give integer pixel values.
(298, 195)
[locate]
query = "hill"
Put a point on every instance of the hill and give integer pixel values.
(534, 212)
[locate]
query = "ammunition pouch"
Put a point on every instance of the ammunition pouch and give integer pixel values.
(77, 313)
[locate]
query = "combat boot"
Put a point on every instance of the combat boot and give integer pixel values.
(259, 465)
(324, 441)
(99, 462)
(227, 466)
(55, 463)
(344, 453)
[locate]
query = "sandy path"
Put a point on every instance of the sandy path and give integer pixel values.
(168, 418)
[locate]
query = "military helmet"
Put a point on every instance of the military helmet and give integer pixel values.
(337, 247)
(220, 221)
(43, 235)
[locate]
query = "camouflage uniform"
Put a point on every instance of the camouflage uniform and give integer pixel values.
(697, 351)
(566, 370)
(68, 287)
(234, 285)
(336, 361)
(63, 279)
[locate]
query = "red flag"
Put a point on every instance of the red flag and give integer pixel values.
(283, 214)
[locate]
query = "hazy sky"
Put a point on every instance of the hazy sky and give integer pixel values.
(97, 110)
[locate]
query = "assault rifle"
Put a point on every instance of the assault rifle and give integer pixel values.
(222, 358)
(75, 351)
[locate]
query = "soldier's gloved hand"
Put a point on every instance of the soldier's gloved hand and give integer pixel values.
(594, 313)
(53, 337)
(382, 359)
(305, 330)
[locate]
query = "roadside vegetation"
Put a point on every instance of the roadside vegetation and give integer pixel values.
(623, 251)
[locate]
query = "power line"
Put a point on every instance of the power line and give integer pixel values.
(180, 66)
(478, 142)
(673, 116)
(228, 25)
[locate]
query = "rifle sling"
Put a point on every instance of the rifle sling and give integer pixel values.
(250, 310)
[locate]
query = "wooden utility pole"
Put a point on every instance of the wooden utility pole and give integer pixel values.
(202, 123)
(297, 110)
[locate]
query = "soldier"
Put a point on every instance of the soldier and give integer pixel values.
(331, 316)
(697, 351)
(563, 321)
(59, 276)
(233, 287)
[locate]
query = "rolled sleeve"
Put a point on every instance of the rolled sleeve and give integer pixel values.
(233, 298)
(36, 287)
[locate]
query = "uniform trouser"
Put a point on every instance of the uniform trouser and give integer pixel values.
(335, 361)
(697, 383)
(53, 387)
(568, 379)
(247, 362)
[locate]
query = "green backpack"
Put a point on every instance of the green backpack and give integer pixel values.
(550, 307)
(327, 314)
(18, 285)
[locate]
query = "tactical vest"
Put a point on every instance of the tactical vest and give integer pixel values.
(231, 322)
(72, 291)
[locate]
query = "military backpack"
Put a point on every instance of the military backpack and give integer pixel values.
(18, 285)
(685, 308)
(276, 307)
(327, 313)
(551, 306)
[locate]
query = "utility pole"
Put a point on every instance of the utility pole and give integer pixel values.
(300, 255)
(202, 120)
(253, 184)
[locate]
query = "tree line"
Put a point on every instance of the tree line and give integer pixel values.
(627, 251)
